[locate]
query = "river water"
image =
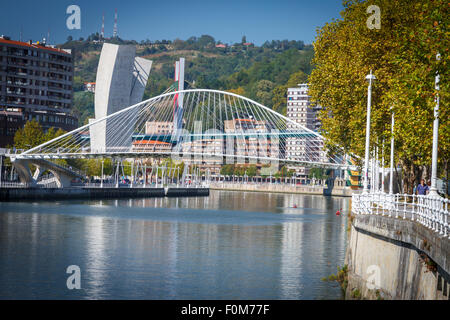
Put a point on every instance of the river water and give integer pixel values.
(230, 245)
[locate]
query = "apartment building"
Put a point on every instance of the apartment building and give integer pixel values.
(158, 128)
(35, 83)
(207, 153)
(253, 139)
(302, 111)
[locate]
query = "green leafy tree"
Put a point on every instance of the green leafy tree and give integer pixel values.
(239, 170)
(83, 106)
(31, 135)
(251, 171)
(264, 92)
(284, 172)
(227, 170)
(78, 84)
(402, 55)
(316, 173)
(53, 133)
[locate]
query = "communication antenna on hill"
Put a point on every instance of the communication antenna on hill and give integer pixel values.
(102, 33)
(115, 25)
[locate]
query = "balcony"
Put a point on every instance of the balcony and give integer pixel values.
(19, 93)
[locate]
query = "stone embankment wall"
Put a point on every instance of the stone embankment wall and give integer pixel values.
(284, 188)
(16, 194)
(391, 258)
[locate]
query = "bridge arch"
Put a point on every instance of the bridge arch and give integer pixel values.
(175, 123)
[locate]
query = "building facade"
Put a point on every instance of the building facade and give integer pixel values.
(158, 128)
(35, 83)
(151, 146)
(252, 139)
(89, 86)
(302, 111)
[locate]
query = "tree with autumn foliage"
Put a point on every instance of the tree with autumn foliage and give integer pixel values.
(32, 135)
(402, 55)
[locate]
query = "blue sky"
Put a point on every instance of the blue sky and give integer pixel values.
(227, 20)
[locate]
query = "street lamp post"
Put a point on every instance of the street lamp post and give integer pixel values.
(145, 175)
(377, 170)
(372, 176)
(391, 173)
(434, 163)
(382, 167)
(370, 78)
(132, 173)
(101, 182)
(117, 173)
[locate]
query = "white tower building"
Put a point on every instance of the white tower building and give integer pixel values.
(120, 83)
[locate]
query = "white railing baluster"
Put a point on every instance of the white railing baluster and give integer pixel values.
(404, 207)
(396, 202)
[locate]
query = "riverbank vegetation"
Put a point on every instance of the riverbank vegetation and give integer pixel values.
(341, 277)
(252, 170)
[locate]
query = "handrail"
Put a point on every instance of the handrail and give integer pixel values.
(430, 211)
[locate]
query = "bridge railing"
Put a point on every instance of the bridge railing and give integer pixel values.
(431, 212)
(48, 181)
(70, 168)
(14, 184)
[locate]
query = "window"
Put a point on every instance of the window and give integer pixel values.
(11, 131)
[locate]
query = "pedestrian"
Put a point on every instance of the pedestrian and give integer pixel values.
(422, 188)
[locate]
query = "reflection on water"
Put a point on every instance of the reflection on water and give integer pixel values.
(239, 245)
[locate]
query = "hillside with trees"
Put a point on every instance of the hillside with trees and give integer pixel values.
(260, 73)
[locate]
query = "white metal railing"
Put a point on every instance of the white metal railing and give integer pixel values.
(431, 212)
(14, 184)
(48, 182)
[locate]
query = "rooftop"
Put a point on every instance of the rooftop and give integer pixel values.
(33, 45)
(150, 142)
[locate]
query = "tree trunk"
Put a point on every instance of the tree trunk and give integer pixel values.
(412, 174)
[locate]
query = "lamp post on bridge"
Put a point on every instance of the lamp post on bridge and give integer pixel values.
(117, 173)
(434, 163)
(370, 78)
(101, 182)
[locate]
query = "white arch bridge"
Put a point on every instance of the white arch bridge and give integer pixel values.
(195, 126)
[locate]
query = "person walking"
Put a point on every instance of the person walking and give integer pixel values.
(422, 188)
